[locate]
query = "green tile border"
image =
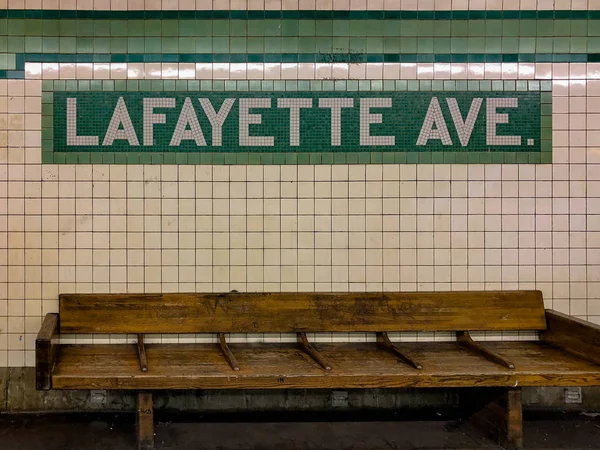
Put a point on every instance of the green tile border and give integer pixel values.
(132, 85)
(492, 36)
(324, 158)
(301, 14)
(286, 27)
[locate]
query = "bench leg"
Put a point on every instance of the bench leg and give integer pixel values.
(497, 413)
(145, 421)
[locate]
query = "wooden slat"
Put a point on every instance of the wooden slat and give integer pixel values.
(573, 335)
(514, 412)
(312, 352)
(142, 353)
(285, 366)
(227, 352)
(465, 339)
(46, 345)
(301, 312)
(384, 342)
(145, 421)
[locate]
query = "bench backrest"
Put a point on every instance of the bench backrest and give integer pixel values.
(297, 312)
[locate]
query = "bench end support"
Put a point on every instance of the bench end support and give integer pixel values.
(46, 345)
(145, 421)
(498, 413)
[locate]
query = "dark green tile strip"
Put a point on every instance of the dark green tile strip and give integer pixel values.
(303, 57)
(298, 158)
(290, 28)
(301, 14)
(51, 86)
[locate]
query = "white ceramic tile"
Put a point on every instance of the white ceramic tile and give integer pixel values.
(294, 228)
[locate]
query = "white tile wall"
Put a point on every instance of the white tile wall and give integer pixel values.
(105, 228)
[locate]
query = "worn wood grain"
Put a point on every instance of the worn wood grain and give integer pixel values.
(514, 407)
(497, 413)
(567, 355)
(573, 335)
(46, 345)
(301, 312)
(285, 366)
(145, 421)
(464, 337)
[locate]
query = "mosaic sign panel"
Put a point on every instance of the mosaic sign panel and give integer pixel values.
(149, 123)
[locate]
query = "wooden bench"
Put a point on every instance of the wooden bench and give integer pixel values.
(567, 353)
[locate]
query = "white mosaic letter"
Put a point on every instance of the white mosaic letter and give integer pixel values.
(295, 105)
(464, 129)
(336, 105)
(217, 119)
(434, 117)
(150, 118)
(120, 117)
(493, 118)
(247, 119)
(367, 118)
(187, 117)
(72, 138)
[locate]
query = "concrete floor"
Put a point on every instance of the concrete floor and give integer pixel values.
(307, 432)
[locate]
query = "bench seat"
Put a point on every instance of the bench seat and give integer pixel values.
(492, 373)
(356, 365)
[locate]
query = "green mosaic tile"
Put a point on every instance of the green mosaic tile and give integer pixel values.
(217, 158)
(292, 158)
(229, 158)
(364, 158)
(388, 158)
(196, 36)
(254, 158)
(47, 157)
(47, 133)
(193, 158)
(448, 158)
(437, 158)
(352, 158)
(399, 158)
(461, 158)
(412, 158)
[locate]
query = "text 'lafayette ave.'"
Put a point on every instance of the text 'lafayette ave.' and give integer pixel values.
(318, 121)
